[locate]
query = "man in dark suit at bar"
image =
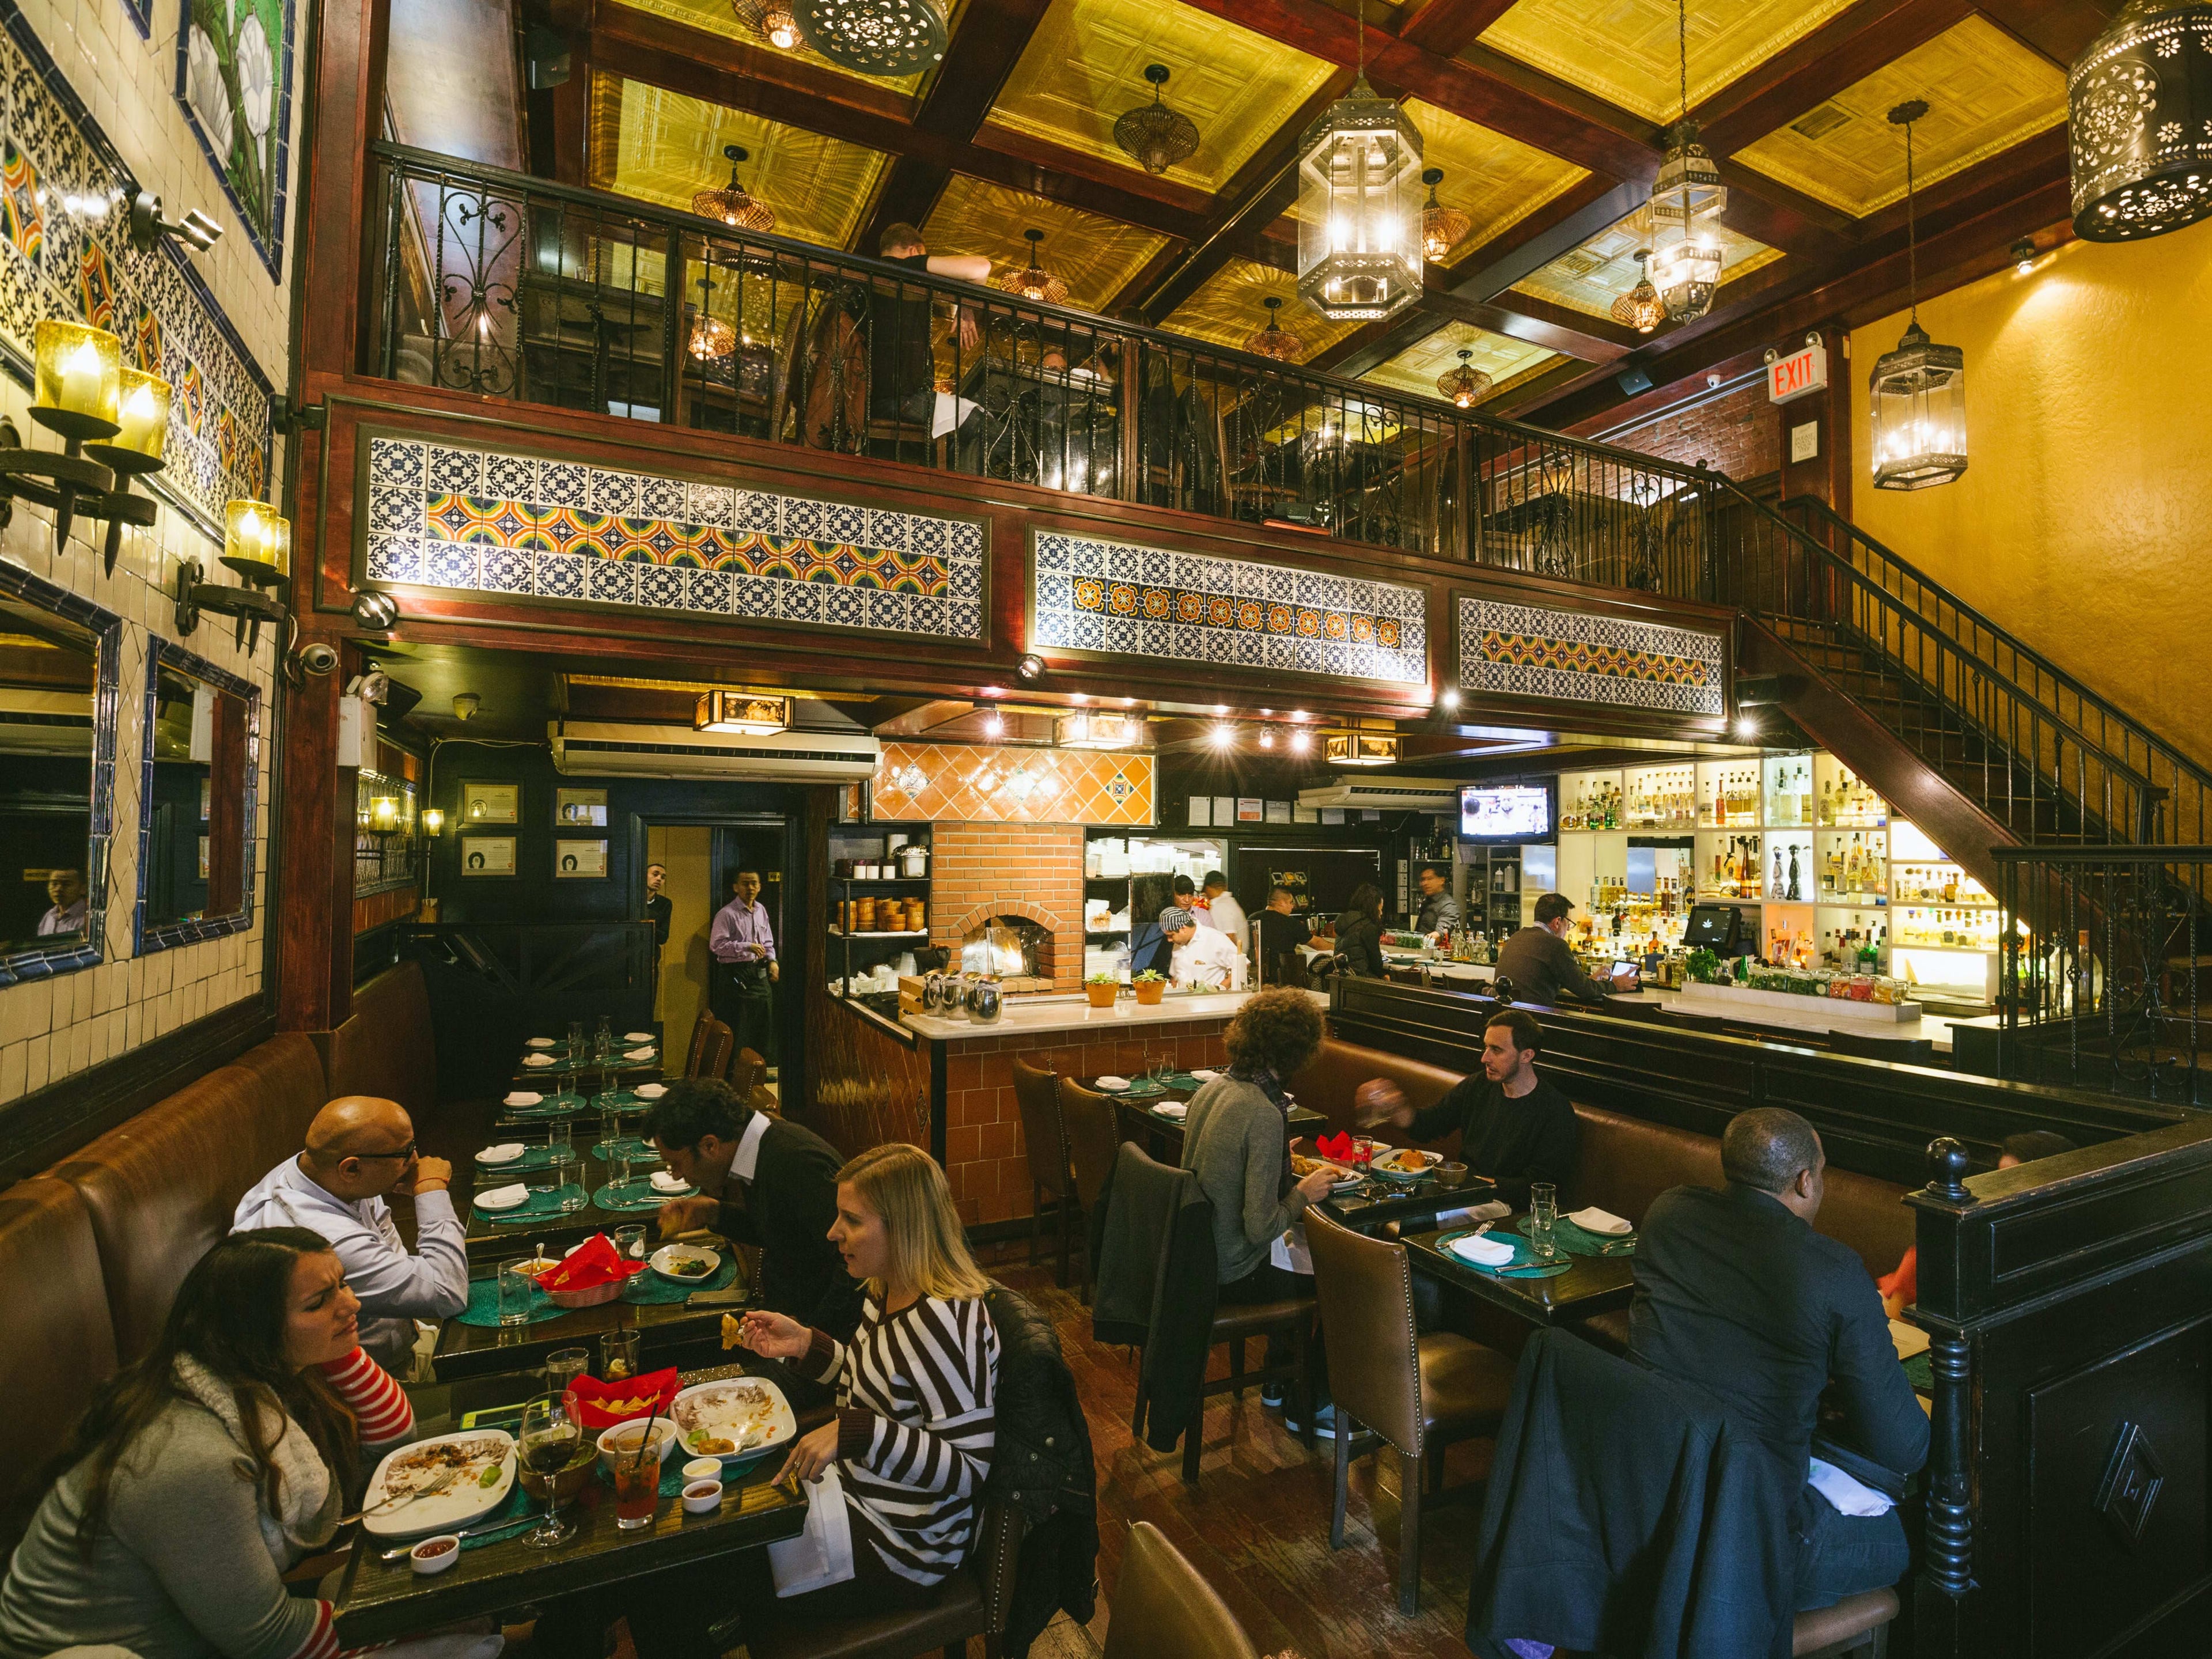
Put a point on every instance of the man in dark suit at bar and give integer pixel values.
(1734, 1291)
(1542, 968)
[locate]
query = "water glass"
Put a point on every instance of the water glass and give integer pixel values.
(604, 1037)
(618, 1355)
(575, 1039)
(1543, 1219)
(518, 1291)
(563, 1367)
(629, 1244)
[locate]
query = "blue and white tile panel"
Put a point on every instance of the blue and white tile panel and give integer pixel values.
(1533, 651)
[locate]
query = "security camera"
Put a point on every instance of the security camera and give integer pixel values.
(371, 686)
(318, 659)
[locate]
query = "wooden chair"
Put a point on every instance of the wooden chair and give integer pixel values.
(1089, 1125)
(712, 1045)
(973, 1602)
(1419, 1393)
(1163, 1609)
(1036, 1091)
(1900, 1051)
(749, 1082)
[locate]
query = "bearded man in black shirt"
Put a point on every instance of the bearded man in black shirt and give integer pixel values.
(1514, 1126)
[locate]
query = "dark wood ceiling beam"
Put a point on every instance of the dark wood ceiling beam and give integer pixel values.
(1446, 26)
(1201, 205)
(1806, 74)
(2062, 30)
(1538, 322)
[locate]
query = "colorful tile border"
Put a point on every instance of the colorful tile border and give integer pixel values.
(516, 527)
(985, 783)
(1087, 594)
(54, 263)
(165, 936)
(1531, 651)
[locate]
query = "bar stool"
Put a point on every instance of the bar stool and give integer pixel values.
(1037, 1093)
(1900, 1051)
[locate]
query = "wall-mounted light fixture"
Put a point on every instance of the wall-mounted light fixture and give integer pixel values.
(1099, 730)
(147, 226)
(1030, 667)
(433, 821)
(741, 714)
(384, 816)
(1359, 748)
(113, 421)
(257, 544)
(465, 704)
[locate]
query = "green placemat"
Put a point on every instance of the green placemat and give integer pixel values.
(651, 1201)
(1183, 1081)
(628, 1147)
(519, 1511)
(1523, 1265)
(483, 1311)
(650, 1286)
(536, 1210)
(671, 1470)
(1920, 1371)
(554, 1105)
(1580, 1241)
(1144, 1088)
(533, 1157)
(621, 1100)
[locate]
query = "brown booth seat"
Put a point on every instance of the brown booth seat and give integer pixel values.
(60, 1342)
(386, 1049)
(1327, 1081)
(161, 1188)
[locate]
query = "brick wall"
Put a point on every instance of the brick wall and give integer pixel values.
(986, 1157)
(1738, 432)
(1032, 870)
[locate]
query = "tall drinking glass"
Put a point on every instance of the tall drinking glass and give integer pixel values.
(575, 1040)
(604, 1038)
(550, 1437)
(518, 1291)
(1543, 1220)
(563, 1367)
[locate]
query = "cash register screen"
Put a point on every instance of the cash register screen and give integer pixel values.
(1716, 928)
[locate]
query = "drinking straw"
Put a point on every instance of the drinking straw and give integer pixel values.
(645, 1439)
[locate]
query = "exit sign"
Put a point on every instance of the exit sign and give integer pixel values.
(1800, 374)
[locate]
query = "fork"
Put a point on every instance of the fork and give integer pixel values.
(438, 1484)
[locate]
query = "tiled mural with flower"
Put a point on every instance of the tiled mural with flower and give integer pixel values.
(66, 252)
(1090, 594)
(516, 526)
(1531, 651)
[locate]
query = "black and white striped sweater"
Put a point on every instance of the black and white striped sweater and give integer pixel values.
(916, 1397)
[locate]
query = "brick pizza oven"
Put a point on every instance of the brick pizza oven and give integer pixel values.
(1029, 873)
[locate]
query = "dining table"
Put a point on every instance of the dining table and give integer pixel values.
(1591, 1283)
(1162, 1135)
(375, 1599)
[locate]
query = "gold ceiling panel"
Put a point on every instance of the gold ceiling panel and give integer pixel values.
(716, 17)
(1985, 93)
(1624, 50)
(1493, 179)
(661, 146)
(1095, 257)
(1589, 278)
(1086, 65)
(1499, 356)
(1230, 308)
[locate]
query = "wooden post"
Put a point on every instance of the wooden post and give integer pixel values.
(1947, 1555)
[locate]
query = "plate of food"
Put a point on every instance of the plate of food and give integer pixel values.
(734, 1419)
(685, 1263)
(1302, 1166)
(1404, 1163)
(460, 1478)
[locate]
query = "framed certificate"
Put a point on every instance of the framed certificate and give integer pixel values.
(580, 809)
(579, 860)
(484, 804)
(488, 856)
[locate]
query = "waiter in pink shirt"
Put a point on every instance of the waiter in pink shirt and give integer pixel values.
(744, 942)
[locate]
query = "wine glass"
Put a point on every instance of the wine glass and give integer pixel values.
(551, 1436)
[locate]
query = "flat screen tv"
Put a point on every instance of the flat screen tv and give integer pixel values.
(1511, 811)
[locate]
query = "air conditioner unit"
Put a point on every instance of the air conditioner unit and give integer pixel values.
(599, 749)
(1388, 795)
(34, 722)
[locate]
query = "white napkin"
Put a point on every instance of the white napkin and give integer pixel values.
(538, 1059)
(637, 1054)
(1172, 1107)
(950, 411)
(637, 1036)
(1482, 1250)
(1204, 1073)
(1473, 1214)
(650, 1091)
(503, 1198)
(1595, 1220)
(823, 1554)
(539, 1042)
(1114, 1083)
(1847, 1495)
(506, 1153)
(521, 1098)
(668, 1181)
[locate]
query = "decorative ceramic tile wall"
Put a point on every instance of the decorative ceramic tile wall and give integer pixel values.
(991, 784)
(58, 260)
(1532, 651)
(245, 47)
(515, 526)
(1088, 594)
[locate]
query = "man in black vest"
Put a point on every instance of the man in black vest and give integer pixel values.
(763, 1181)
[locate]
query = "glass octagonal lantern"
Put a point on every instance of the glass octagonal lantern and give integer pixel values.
(1687, 273)
(1360, 208)
(1688, 190)
(1918, 402)
(2139, 124)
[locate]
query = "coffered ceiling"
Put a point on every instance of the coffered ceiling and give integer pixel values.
(1546, 117)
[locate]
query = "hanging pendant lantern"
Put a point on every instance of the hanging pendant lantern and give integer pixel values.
(1443, 229)
(1917, 393)
(1465, 385)
(2139, 117)
(1359, 205)
(1155, 136)
(712, 339)
(1641, 309)
(1688, 189)
(1687, 273)
(1275, 341)
(729, 203)
(771, 19)
(1033, 280)
(875, 37)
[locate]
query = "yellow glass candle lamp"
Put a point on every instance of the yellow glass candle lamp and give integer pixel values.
(433, 820)
(384, 814)
(255, 534)
(144, 414)
(80, 372)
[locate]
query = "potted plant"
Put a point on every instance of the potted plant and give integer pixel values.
(1102, 989)
(1701, 965)
(1149, 986)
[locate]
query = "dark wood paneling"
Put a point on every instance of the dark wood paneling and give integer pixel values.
(313, 902)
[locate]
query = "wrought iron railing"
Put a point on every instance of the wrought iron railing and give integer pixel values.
(497, 283)
(2103, 969)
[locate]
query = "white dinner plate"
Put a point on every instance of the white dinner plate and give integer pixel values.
(464, 1501)
(506, 1153)
(539, 1042)
(660, 1259)
(1113, 1084)
(521, 1098)
(637, 1036)
(650, 1091)
(783, 1425)
(501, 1197)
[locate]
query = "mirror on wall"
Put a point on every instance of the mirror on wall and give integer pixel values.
(53, 788)
(197, 808)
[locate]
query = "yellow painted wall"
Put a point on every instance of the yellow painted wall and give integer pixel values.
(684, 964)
(2083, 523)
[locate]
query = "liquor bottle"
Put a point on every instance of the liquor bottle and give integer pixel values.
(1793, 871)
(1776, 890)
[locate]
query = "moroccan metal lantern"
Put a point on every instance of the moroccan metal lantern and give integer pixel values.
(2139, 117)
(875, 37)
(1359, 208)
(1687, 273)
(1443, 229)
(1275, 341)
(1033, 280)
(1155, 136)
(1917, 393)
(1641, 309)
(712, 339)
(771, 19)
(1688, 189)
(731, 203)
(1465, 385)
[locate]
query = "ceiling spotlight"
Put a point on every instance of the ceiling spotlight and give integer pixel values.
(1448, 697)
(1300, 742)
(1746, 726)
(465, 705)
(1300, 715)
(1224, 736)
(2023, 255)
(1128, 702)
(1220, 709)
(1030, 667)
(1081, 697)
(147, 227)
(375, 612)
(1267, 737)
(995, 726)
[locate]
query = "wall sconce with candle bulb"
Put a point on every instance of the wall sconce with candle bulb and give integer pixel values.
(113, 422)
(257, 543)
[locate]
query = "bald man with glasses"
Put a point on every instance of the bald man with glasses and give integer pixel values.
(360, 1149)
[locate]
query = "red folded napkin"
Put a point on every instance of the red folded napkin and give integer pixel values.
(591, 1264)
(1343, 1148)
(603, 1405)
